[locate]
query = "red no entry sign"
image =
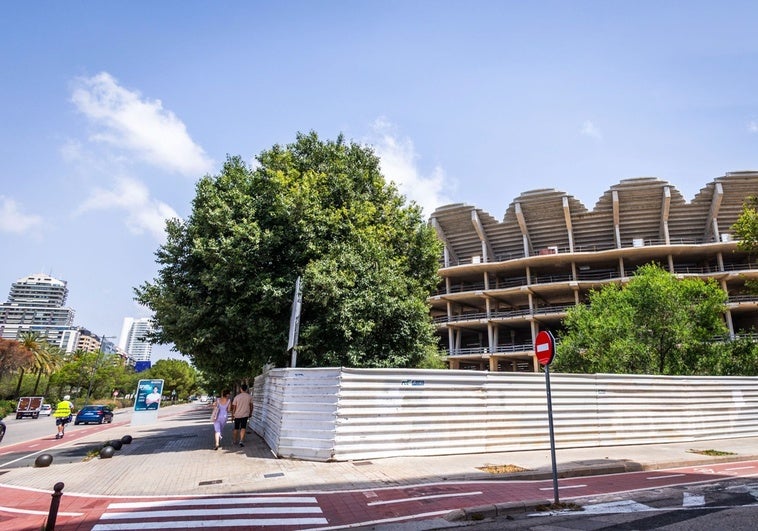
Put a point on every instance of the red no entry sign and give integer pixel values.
(544, 347)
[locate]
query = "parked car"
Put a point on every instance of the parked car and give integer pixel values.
(2, 430)
(97, 414)
(46, 409)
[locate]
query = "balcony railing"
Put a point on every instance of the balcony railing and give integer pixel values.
(500, 315)
(583, 276)
(546, 310)
(500, 349)
(529, 347)
(626, 244)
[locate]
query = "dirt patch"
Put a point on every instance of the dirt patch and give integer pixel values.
(502, 469)
(560, 506)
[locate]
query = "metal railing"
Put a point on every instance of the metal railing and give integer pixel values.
(546, 310)
(625, 244)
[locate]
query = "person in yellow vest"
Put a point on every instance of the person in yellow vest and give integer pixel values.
(63, 412)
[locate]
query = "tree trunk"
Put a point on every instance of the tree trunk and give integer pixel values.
(36, 384)
(18, 387)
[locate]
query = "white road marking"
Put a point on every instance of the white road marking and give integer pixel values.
(691, 500)
(30, 511)
(666, 477)
(216, 512)
(564, 487)
(199, 524)
(626, 506)
(430, 497)
(384, 521)
(212, 501)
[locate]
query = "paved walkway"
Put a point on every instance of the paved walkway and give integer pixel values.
(175, 456)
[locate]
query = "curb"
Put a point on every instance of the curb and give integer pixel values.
(503, 509)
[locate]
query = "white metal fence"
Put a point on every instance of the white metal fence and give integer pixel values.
(346, 414)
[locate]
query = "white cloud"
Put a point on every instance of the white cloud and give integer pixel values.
(590, 129)
(13, 220)
(752, 126)
(398, 164)
(143, 214)
(140, 126)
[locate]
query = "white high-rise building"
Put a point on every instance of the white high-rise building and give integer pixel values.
(36, 304)
(133, 338)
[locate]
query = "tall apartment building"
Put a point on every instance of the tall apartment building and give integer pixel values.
(37, 304)
(505, 281)
(133, 338)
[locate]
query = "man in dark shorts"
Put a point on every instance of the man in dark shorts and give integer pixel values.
(62, 414)
(242, 408)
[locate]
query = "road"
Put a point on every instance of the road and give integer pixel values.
(380, 508)
(28, 429)
(727, 504)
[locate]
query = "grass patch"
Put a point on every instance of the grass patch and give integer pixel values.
(502, 469)
(91, 454)
(712, 453)
(95, 452)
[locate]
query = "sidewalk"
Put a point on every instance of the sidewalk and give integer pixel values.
(175, 457)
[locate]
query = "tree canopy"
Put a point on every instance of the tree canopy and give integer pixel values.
(655, 324)
(13, 356)
(317, 209)
(177, 375)
(746, 226)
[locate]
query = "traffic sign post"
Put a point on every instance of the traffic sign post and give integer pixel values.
(544, 348)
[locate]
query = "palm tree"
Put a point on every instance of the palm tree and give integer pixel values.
(53, 362)
(34, 343)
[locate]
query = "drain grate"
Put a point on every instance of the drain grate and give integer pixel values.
(274, 475)
(211, 482)
(362, 463)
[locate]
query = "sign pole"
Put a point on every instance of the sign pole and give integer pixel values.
(297, 304)
(544, 349)
(552, 434)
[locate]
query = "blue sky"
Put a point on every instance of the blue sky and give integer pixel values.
(111, 111)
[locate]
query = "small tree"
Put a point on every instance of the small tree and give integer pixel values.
(746, 229)
(746, 226)
(656, 324)
(13, 356)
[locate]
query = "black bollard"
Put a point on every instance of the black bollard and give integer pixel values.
(54, 503)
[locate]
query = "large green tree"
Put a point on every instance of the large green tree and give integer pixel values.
(177, 375)
(317, 209)
(655, 324)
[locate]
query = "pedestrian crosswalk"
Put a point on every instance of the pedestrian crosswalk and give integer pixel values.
(226, 512)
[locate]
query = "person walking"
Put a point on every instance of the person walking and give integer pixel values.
(63, 412)
(242, 408)
(220, 415)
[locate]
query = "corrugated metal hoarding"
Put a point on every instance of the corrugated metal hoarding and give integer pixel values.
(349, 414)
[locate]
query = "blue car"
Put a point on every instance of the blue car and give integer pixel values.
(97, 414)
